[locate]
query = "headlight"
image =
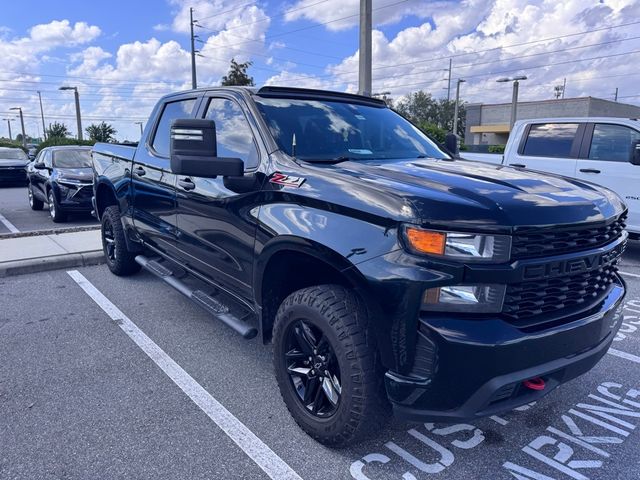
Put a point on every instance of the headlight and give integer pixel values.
(465, 298)
(467, 247)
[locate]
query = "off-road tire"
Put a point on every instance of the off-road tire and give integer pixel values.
(342, 317)
(120, 260)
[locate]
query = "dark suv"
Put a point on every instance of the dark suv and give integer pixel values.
(62, 178)
(372, 258)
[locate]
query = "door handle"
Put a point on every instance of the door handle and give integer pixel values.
(589, 170)
(187, 184)
(519, 165)
(139, 171)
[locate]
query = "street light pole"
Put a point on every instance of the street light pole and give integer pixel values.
(78, 118)
(44, 130)
(364, 75)
(514, 97)
(139, 123)
(9, 120)
(24, 136)
(455, 111)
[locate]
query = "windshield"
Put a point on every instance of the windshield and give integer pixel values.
(331, 130)
(72, 159)
(13, 154)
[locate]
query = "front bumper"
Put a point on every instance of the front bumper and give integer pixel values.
(74, 198)
(469, 368)
(13, 174)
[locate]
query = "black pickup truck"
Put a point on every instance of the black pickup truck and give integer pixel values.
(374, 260)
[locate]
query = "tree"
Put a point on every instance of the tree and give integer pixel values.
(238, 75)
(422, 109)
(101, 132)
(57, 130)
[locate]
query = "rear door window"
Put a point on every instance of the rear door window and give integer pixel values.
(550, 140)
(171, 111)
(612, 142)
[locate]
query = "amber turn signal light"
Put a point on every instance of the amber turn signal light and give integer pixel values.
(425, 241)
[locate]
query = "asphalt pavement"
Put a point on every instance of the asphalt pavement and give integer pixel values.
(147, 385)
(17, 216)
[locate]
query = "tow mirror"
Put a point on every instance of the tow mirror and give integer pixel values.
(635, 152)
(451, 143)
(194, 151)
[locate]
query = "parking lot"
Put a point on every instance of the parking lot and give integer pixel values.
(17, 216)
(106, 377)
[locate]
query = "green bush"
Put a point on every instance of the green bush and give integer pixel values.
(12, 145)
(434, 131)
(496, 148)
(57, 141)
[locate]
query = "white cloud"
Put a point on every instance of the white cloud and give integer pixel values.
(60, 33)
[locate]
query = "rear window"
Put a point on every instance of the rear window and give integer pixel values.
(13, 154)
(550, 140)
(72, 159)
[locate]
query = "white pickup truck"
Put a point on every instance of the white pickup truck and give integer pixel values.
(601, 150)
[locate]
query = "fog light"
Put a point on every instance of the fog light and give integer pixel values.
(464, 298)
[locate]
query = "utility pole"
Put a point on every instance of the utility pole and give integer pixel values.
(514, 97)
(78, 119)
(455, 111)
(564, 86)
(9, 120)
(24, 136)
(364, 78)
(615, 99)
(194, 81)
(449, 82)
(44, 130)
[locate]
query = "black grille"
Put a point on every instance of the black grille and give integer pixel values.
(539, 243)
(13, 174)
(547, 296)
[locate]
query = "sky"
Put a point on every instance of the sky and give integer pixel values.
(124, 55)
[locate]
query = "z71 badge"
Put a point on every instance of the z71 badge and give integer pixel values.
(286, 180)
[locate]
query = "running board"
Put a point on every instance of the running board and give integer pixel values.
(216, 308)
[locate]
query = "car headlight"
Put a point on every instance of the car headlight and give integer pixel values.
(468, 247)
(464, 298)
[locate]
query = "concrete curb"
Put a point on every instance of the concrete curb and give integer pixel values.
(53, 262)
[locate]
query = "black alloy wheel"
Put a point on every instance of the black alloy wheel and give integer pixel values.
(120, 260)
(326, 364)
(313, 369)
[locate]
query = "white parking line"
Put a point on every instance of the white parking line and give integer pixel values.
(630, 274)
(621, 354)
(12, 228)
(274, 466)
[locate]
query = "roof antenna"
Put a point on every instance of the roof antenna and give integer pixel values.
(293, 146)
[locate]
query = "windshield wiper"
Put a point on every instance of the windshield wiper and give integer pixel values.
(327, 160)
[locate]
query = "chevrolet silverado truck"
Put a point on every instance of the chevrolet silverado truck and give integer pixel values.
(384, 271)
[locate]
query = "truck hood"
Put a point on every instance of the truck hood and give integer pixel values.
(13, 162)
(475, 194)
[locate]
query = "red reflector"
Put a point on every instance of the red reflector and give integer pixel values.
(534, 383)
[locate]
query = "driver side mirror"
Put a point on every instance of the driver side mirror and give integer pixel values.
(635, 153)
(194, 151)
(39, 166)
(451, 144)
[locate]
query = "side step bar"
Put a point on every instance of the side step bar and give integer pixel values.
(207, 302)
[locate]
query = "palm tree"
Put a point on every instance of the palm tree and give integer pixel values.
(101, 132)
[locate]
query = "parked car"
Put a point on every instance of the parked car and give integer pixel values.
(601, 150)
(61, 177)
(330, 225)
(13, 165)
(32, 148)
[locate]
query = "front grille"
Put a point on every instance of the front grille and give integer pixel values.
(540, 243)
(12, 174)
(548, 296)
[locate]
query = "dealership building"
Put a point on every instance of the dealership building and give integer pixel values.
(488, 124)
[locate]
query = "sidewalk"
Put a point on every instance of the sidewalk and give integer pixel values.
(36, 253)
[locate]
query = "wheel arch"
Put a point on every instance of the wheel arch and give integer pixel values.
(289, 263)
(105, 197)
